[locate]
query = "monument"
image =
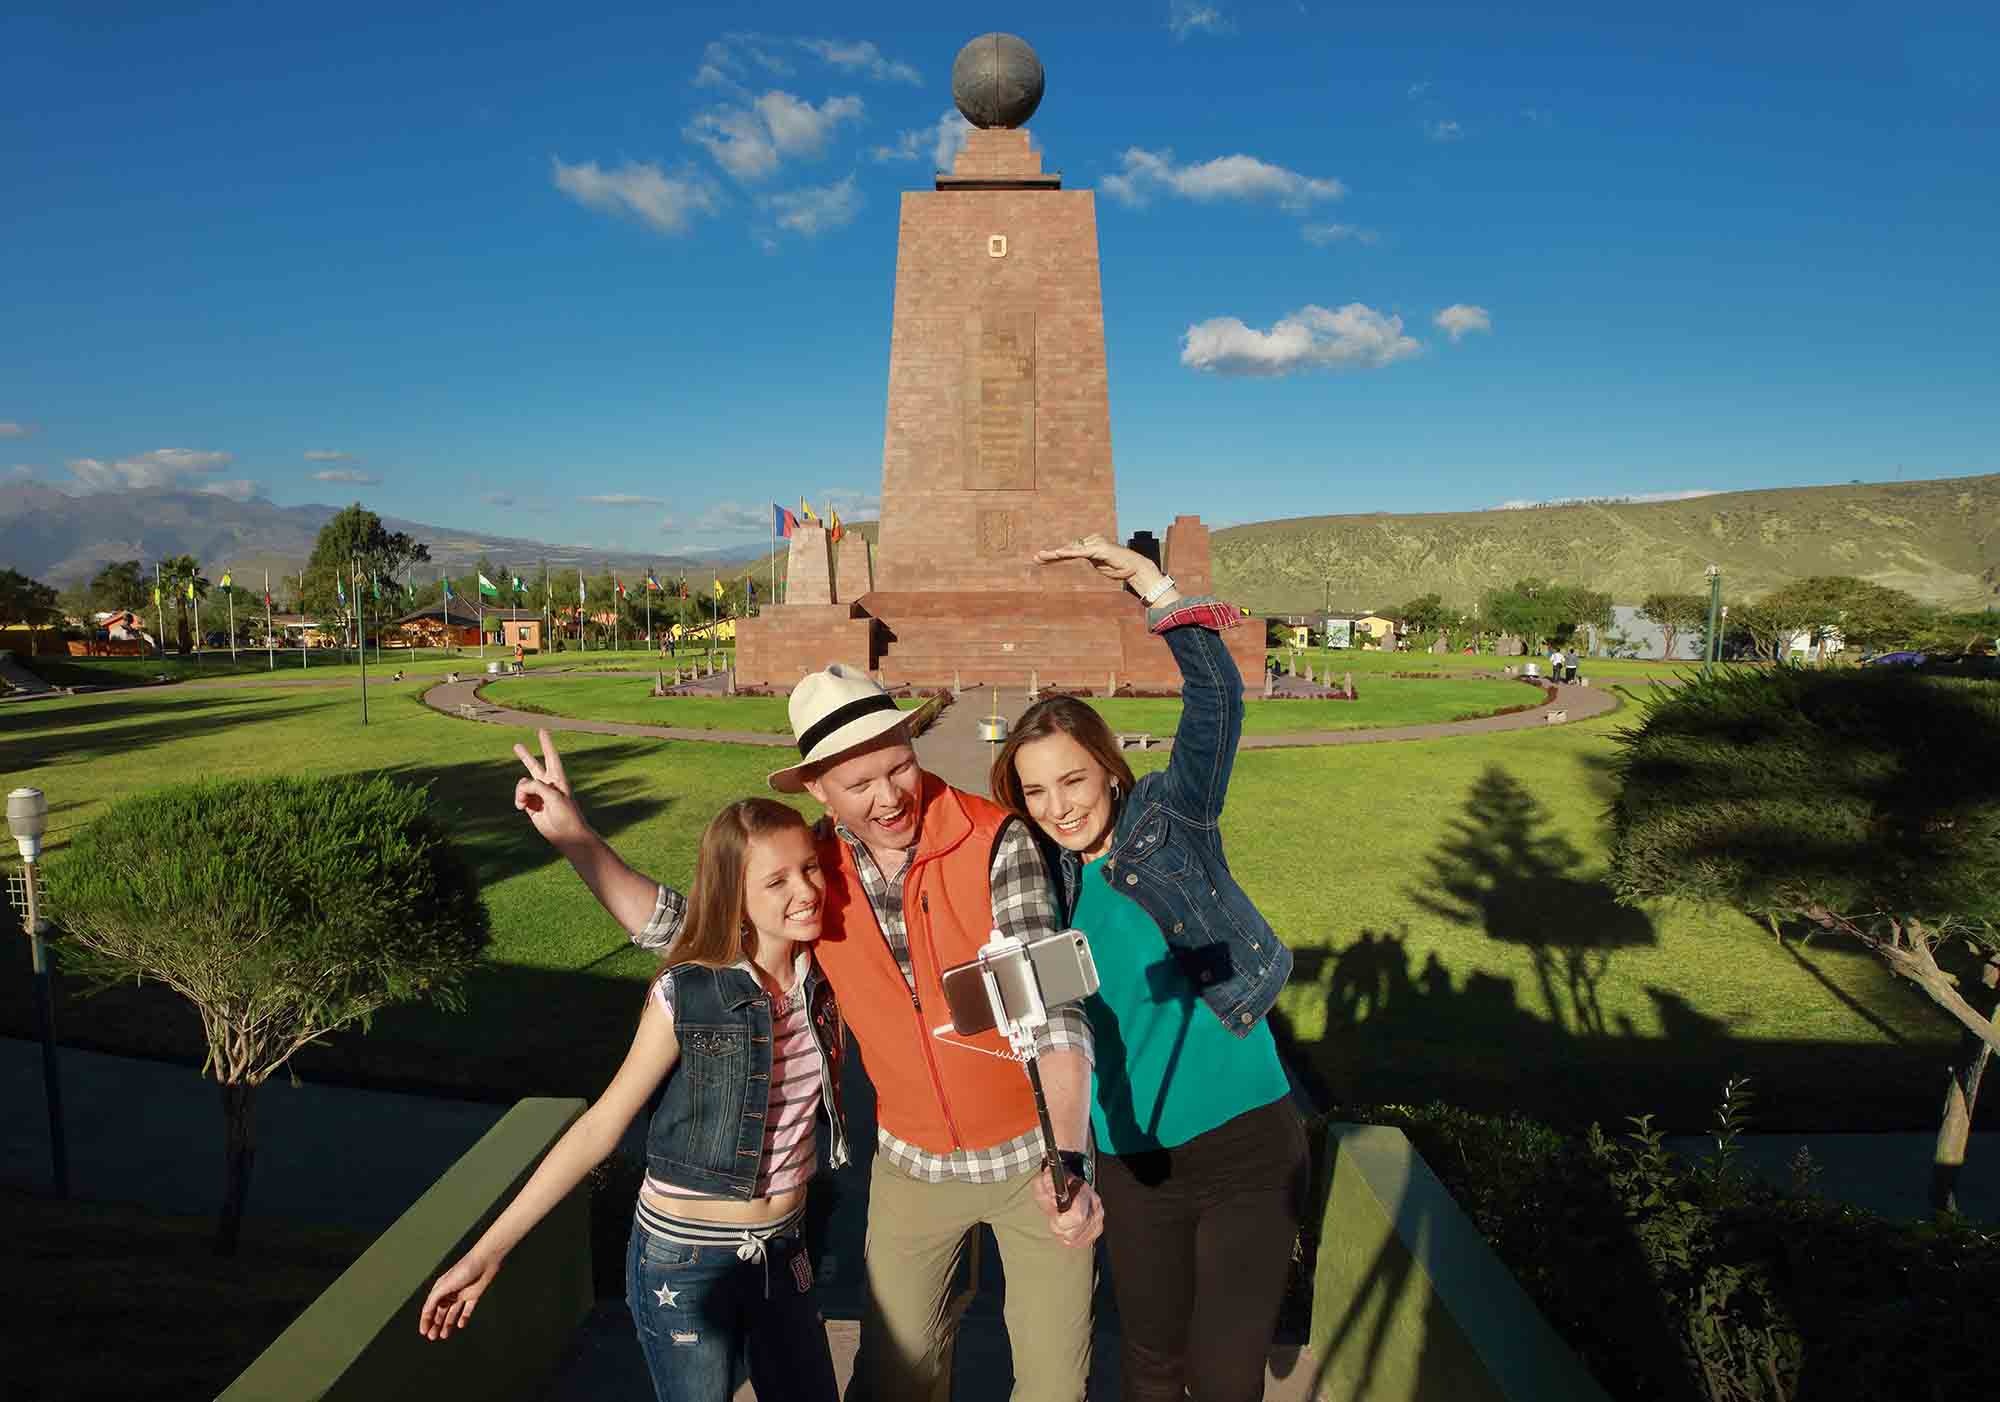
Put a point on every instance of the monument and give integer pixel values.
(997, 441)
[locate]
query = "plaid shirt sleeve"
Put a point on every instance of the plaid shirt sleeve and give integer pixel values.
(1024, 905)
(669, 913)
(1204, 609)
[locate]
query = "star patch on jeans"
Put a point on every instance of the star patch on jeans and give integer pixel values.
(683, 1338)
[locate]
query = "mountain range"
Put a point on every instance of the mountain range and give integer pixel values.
(1937, 539)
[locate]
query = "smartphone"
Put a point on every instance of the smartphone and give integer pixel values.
(1059, 965)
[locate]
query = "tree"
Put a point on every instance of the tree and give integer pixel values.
(181, 584)
(282, 909)
(29, 602)
(121, 585)
(355, 540)
(1674, 614)
(1426, 614)
(1541, 612)
(1854, 801)
(1856, 612)
(1960, 634)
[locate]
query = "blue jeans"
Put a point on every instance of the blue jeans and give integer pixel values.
(700, 1309)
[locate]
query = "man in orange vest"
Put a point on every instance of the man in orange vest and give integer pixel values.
(918, 874)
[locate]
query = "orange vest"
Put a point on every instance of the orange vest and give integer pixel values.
(928, 1091)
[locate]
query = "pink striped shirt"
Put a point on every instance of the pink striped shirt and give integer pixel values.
(790, 1146)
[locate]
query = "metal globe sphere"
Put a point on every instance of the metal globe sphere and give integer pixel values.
(996, 81)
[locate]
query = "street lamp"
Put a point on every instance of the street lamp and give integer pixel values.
(27, 819)
(1713, 651)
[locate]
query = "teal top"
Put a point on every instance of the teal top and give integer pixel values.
(1167, 1069)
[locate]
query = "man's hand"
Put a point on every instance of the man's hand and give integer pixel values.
(544, 795)
(1083, 1223)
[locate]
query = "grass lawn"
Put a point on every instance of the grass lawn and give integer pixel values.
(1453, 937)
(1383, 701)
(629, 698)
(84, 1281)
(1361, 661)
(324, 663)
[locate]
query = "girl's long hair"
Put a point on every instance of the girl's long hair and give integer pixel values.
(1071, 717)
(717, 930)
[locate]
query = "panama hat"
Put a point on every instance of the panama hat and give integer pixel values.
(833, 712)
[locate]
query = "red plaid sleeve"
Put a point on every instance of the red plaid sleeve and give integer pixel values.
(1206, 613)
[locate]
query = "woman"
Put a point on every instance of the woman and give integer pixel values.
(1204, 1159)
(742, 1029)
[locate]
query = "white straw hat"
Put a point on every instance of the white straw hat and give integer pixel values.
(833, 712)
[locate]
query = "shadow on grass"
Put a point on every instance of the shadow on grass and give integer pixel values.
(129, 728)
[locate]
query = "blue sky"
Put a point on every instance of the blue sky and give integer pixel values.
(623, 278)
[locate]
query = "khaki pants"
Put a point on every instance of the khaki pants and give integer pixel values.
(916, 1235)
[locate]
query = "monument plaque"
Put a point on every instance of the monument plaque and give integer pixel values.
(996, 533)
(1000, 400)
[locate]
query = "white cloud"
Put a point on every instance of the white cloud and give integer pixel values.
(749, 142)
(816, 209)
(347, 474)
(1185, 17)
(733, 518)
(327, 455)
(945, 137)
(236, 489)
(163, 467)
(1353, 337)
(1320, 235)
(1417, 90)
(1630, 498)
(1460, 318)
(1224, 178)
(623, 499)
(854, 503)
(640, 191)
(860, 56)
(1446, 130)
(9, 428)
(498, 498)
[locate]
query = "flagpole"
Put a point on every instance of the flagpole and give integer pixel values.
(361, 641)
(270, 646)
(229, 593)
(195, 599)
(302, 620)
(159, 608)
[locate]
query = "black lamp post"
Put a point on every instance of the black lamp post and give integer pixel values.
(27, 818)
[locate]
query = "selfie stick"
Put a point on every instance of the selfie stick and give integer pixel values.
(1021, 1029)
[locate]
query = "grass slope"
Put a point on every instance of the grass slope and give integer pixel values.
(1936, 539)
(1381, 702)
(1453, 935)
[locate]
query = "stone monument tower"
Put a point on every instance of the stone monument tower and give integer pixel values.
(997, 439)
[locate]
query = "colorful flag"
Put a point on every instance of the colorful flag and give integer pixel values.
(782, 521)
(339, 587)
(225, 579)
(750, 589)
(833, 529)
(447, 591)
(374, 587)
(156, 596)
(519, 587)
(619, 585)
(579, 587)
(718, 588)
(652, 583)
(488, 588)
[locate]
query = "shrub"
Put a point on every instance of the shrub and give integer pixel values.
(283, 909)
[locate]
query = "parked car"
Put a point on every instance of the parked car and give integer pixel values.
(1896, 659)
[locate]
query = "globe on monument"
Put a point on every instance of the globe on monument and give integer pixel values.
(997, 81)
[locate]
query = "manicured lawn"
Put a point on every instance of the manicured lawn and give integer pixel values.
(629, 698)
(1382, 701)
(323, 663)
(112, 1302)
(1365, 660)
(1453, 938)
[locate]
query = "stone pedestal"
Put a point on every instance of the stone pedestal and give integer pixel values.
(1187, 557)
(853, 569)
(808, 568)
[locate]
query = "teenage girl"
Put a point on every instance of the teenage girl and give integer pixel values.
(743, 1031)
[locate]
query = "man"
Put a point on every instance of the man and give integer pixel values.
(918, 874)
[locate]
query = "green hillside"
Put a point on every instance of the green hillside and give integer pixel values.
(1936, 539)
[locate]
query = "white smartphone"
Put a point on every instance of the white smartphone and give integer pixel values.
(1060, 965)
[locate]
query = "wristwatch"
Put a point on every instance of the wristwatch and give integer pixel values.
(1078, 1165)
(1158, 591)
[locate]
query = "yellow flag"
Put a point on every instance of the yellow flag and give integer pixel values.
(807, 511)
(718, 588)
(833, 528)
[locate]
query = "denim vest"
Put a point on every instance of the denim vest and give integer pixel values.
(1166, 847)
(707, 1133)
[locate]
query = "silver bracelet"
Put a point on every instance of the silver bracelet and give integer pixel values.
(1157, 591)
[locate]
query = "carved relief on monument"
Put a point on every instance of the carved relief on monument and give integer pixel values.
(996, 534)
(999, 400)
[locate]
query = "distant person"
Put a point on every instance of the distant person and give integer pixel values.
(1556, 665)
(1570, 666)
(1203, 1161)
(717, 1265)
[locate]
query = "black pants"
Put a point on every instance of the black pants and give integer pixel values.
(1200, 1240)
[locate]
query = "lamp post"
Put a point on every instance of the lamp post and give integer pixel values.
(27, 818)
(1714, 649)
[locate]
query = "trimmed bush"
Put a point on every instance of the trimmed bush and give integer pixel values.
(283, 909)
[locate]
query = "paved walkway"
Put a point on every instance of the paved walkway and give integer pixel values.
(449, 696)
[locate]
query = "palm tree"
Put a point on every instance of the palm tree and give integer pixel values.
(181, 579)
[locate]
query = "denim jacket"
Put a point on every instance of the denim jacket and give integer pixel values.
(1166, 847)
(707, 1133)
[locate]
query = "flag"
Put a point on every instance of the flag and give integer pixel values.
(488, 588)
(652, 583)
(340, 588)
(619, 585)
(782, 521)
(806, 512)
(156, 596)
(750, 588)
(519, 587)
(374, 587)
(447, 592)
(833, 529)
(267, 601)
(225, 579)
(579, 586)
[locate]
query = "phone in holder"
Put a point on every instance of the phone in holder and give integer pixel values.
(1058, 967)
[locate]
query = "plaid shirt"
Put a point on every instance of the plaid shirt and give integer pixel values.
(1024, 905)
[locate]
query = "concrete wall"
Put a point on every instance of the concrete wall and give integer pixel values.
(358, 1342)
(1409, 1302)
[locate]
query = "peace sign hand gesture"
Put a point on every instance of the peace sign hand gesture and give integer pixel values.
(545, 797)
